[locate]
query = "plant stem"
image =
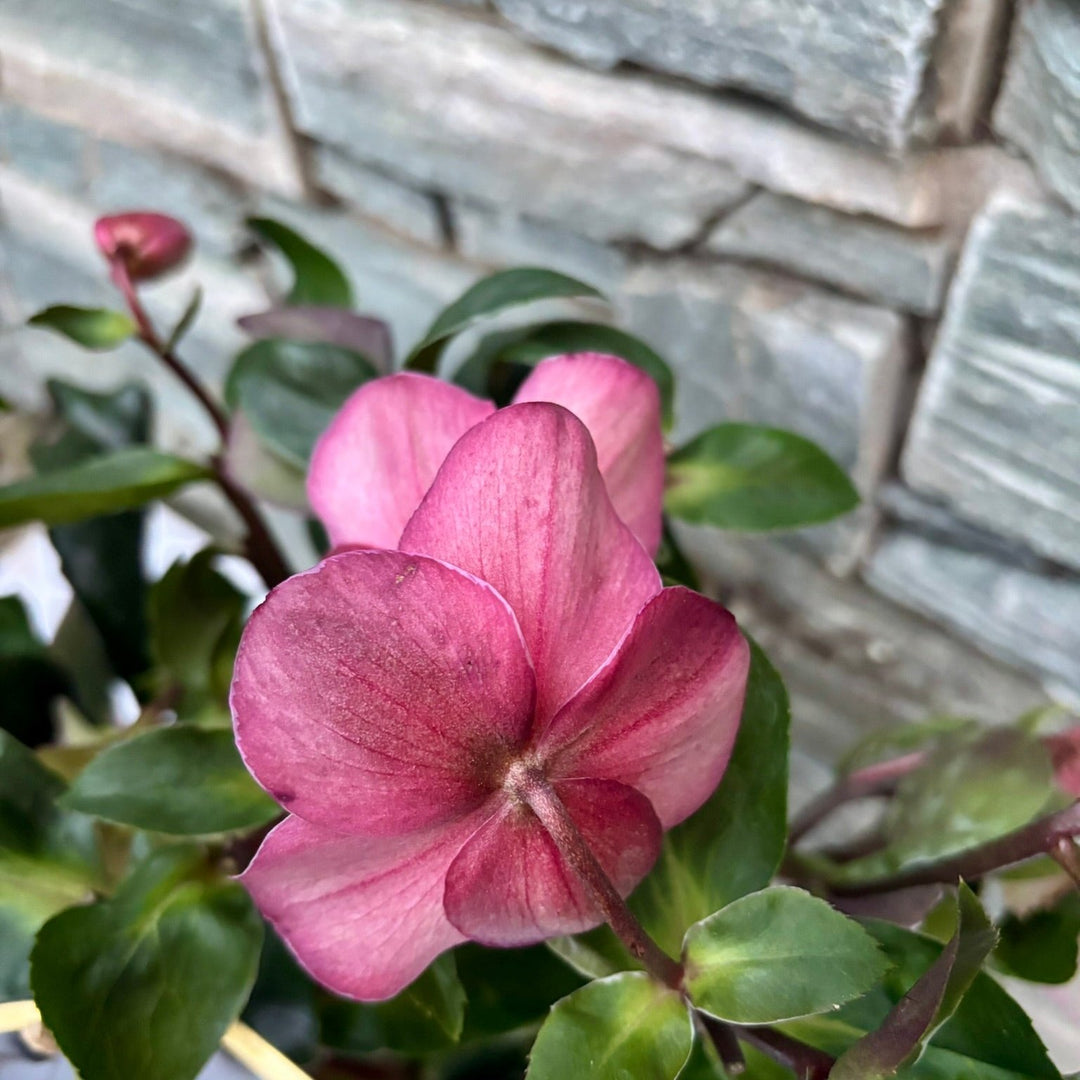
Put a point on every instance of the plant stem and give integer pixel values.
(879, 779)
(806, 1062)
(1067, 855)
(260, 548)
(532, 787)
(1041, 837)
(724, 1040)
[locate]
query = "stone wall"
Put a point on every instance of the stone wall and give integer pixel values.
(856, 218)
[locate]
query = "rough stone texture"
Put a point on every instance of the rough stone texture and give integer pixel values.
(790, 51)
(761, 347)
(188, 77)
(898, 267)
(1025, 617)
(461, 106)
(995, 428)
(1039, 106)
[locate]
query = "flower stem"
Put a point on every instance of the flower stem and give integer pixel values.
(806, 1062)
(1041, 837)
(260, 548)
(533, 788)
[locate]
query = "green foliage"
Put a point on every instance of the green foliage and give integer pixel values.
(48, 858)
(100, 485)
(186, 320)
(930, 1002)
(750, 478)
(317, 279)
(289, 391)
(30, 679)
(495, 293)
(988, 1037)
(734, 843)
(93, 328)
(182, 780)
(622, 1026)
(145, 984)
(1042, 946)
(775, 955)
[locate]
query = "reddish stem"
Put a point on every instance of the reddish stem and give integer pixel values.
(806, 1062)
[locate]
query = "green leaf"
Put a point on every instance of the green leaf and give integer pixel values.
(751, 478)
(625, 1025)
(1042, 946)
(426, 1016)
(186, 320)
(48, 859)
(490, 295)
(101, 485)
(259, 470)
(182, 780)
(289, 391)
(776, 955)
(595, 954)
(145, 984)
(93, 328)
(902, 739)
(932, 1000)
(30, 680)
(987, 1038)
(732, 845)
(282, 1006)
(101, 557)
(195, 618)
(317, 279)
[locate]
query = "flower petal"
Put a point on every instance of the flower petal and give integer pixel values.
(363, 916)
(378, 457)
(620, 405)
(520, 503)
(510, 886)
(663, 713)
(379, 692)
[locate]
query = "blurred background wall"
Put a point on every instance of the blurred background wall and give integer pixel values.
(856, 218)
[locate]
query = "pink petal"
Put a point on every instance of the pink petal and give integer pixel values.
(620, 405)
(663, 713)
(380, 693)
(520, 503)
(364, 917)
(510, 886)
(378, 457)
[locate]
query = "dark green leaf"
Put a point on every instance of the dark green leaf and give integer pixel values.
(673, 565)
(182, 780)
(987, 1038)
(775, 955)
(932, 1000)
(145, 984)
(734, 843)
(289, 391)
(317, 279)
(101, 557)
(48, 859)
(30, 680)
(1042, 946)
(625, 1025)
(329, 325)
(186, 320)
(195, 616)
(282, 1006)
(490, 295)
(751, 478)
(93, 328)
(257, 469)
(426, 1016)
(102, 485)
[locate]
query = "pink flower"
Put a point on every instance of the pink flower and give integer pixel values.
(399, 703)
(145, 244)
(1065, 754)
(380, 455)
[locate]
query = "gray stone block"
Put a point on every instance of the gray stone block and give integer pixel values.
(1027, 618)
(460, 106)
(188, 77)
(996, 430)
(754, 346)
(1039, 106)
(896, 267)
(859, 65)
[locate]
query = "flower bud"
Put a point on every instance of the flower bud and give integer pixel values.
(145, 244)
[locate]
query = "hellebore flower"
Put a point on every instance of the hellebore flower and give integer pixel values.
(146, 245)
(409, 709)
(380, 454)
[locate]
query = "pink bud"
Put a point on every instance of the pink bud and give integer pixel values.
(147, 245)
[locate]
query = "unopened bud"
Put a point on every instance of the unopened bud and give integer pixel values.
(146, 244)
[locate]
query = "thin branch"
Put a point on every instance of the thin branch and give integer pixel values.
(806, 1062)
(1067, 855)
(724, 1040)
